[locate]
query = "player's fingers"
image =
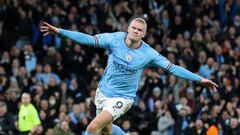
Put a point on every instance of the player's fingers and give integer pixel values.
(45, 33)
(211, 83)
(215, 84)
(214, 89)
(45, 23)
(43, 29)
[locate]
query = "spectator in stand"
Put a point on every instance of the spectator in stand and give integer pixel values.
(127, 126)
(11, 99)
(165, 124)
(5, 61)
(196, 128)
(62, 129)
(30, 59)
(75, 115)
(233, 128)
(7, 123)
(207, 69)
(45, 77)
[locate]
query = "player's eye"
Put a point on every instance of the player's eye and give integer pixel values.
(140, 30)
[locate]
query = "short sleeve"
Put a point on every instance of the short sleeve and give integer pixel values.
(35, 117)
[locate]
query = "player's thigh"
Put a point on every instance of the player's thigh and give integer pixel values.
(117, 106)
(99, 99)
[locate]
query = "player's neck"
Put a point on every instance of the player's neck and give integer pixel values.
(132, 44)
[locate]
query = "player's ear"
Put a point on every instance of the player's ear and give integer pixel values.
(128, 29)
(144, 35)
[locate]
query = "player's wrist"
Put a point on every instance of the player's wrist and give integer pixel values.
(201, 79)
(55, 30)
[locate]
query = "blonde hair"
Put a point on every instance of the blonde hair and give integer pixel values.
(141, 20)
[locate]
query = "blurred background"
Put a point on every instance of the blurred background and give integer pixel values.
(62, 76)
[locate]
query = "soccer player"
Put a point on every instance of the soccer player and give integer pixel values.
(127, 58)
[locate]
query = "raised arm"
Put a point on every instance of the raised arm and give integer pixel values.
(181, 72)
(186, 74)
(100, 40)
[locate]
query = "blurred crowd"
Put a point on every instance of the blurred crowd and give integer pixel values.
(62, 76)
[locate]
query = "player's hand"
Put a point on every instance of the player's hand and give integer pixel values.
(48, 29)
(209, 84)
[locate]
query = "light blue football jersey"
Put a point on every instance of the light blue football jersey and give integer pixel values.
(125, 65)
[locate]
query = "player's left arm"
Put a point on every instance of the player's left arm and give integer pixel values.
(176, 70)
(186, 74)
(181, 72)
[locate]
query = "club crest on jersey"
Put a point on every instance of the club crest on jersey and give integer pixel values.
(129, 57)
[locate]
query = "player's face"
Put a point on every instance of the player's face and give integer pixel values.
(136, 31)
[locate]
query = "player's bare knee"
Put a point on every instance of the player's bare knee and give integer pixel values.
(92, 128)
(106, 132)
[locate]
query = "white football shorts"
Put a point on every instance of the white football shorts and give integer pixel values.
(117, 106)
